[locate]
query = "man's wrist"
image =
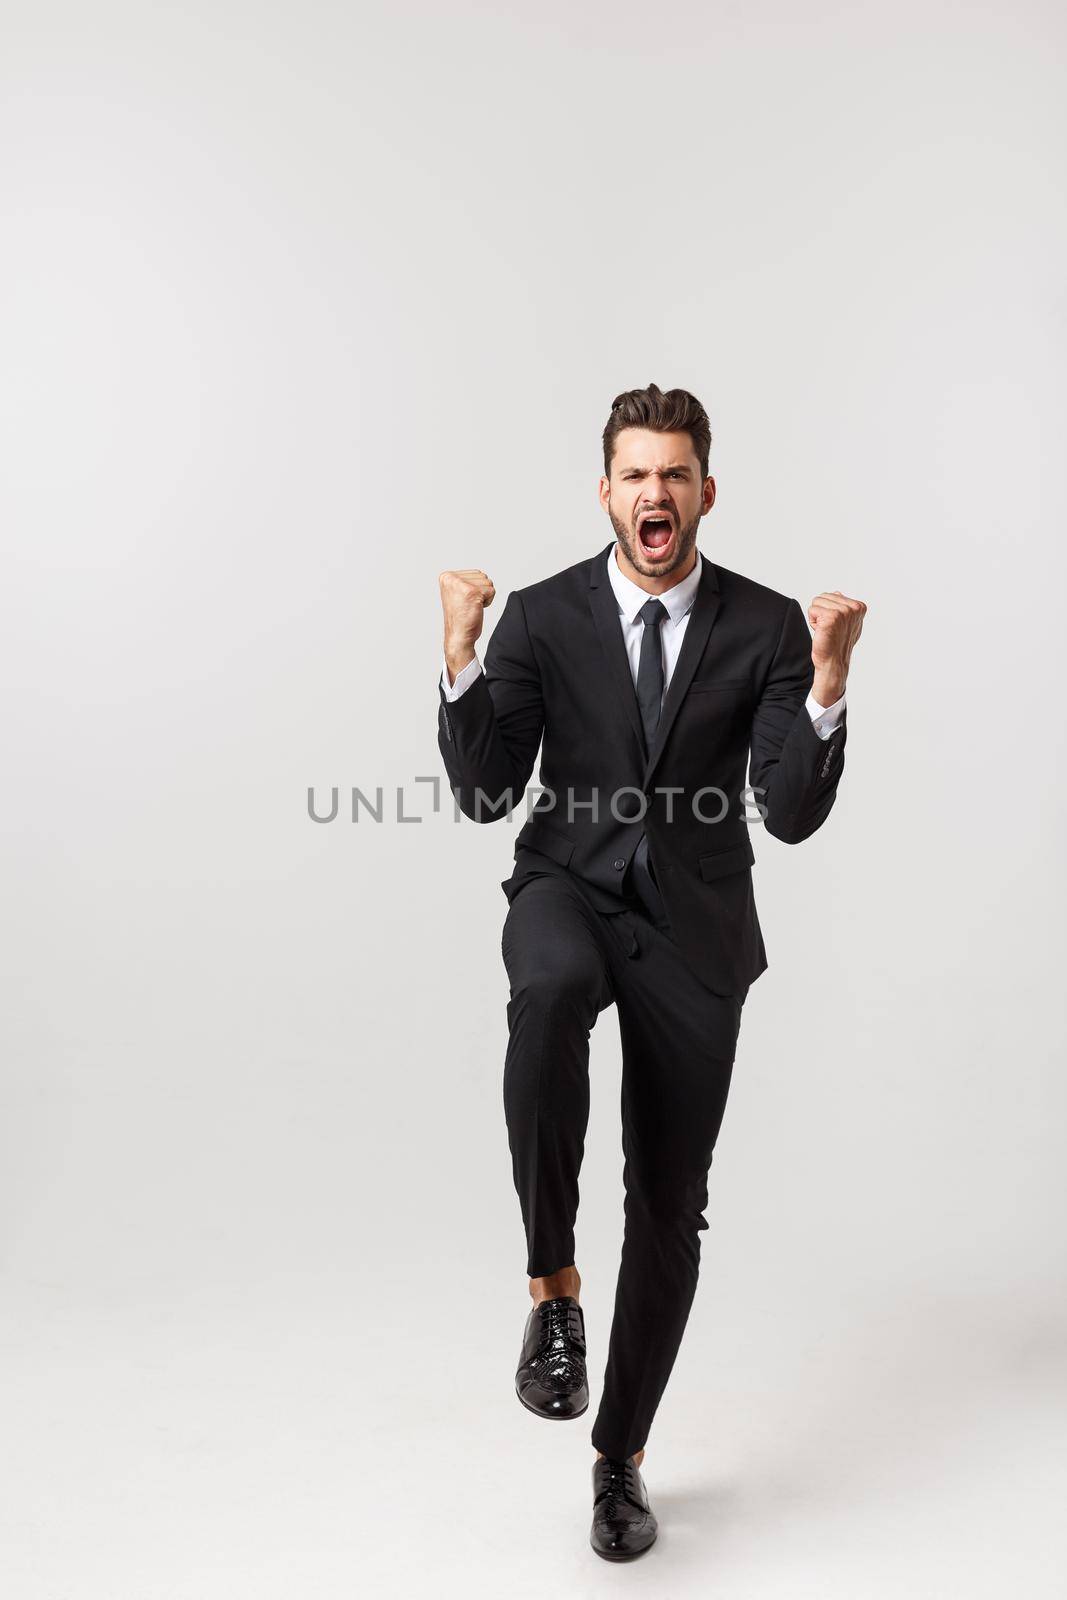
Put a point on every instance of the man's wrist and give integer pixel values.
(829, 685)
(457, 656)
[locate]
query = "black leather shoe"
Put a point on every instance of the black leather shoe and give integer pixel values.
(551, 1379)
(623, 1523)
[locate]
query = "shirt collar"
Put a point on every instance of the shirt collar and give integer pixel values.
(631, 596)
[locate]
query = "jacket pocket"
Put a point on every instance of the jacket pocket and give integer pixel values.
(541, 835)
(705, 685)
(733, 858)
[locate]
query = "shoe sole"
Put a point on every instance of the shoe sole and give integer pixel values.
(630, 1555)
(548, 1415)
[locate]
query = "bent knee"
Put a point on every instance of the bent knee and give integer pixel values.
(553, 988)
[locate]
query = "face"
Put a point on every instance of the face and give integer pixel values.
(655, 498)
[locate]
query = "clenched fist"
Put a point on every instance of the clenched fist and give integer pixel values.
(465, 594)
(838, 623)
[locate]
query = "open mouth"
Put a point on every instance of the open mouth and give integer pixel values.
(656, 537)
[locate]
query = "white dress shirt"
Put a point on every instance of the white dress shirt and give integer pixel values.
(679, 602)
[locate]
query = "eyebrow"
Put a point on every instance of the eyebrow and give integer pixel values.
(675, 466)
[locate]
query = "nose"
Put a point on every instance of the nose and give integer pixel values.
(655, 491)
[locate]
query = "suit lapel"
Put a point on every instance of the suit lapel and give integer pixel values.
(606, 616)
(697, 629)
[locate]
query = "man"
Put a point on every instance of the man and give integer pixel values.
(654, 678)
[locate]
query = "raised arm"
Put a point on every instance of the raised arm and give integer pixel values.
(793, 772)
(489, 736)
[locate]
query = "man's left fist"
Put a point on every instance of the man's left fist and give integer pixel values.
(838, 623)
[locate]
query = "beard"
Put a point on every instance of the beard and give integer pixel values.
(684, 544)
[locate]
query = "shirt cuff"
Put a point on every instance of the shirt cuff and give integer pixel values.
(824, 719)
(463, 681)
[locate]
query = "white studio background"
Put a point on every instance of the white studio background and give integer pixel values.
(301, 305)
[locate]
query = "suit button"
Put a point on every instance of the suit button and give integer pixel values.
(619, 864)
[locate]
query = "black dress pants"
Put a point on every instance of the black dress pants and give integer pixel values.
(566, 962)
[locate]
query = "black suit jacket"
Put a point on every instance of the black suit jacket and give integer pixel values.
(556, 670)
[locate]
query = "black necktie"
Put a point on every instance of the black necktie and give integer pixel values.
(649, 696)
(650, 669)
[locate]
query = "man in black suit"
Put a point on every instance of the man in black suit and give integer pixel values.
(654, 678)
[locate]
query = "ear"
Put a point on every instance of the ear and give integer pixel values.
(708, 496)
(604, 493)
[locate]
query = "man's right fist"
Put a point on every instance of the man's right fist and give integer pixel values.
(464, 597)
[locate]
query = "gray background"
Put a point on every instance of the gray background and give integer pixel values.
(300, 306)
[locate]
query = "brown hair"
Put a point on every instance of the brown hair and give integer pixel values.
(677, 411)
